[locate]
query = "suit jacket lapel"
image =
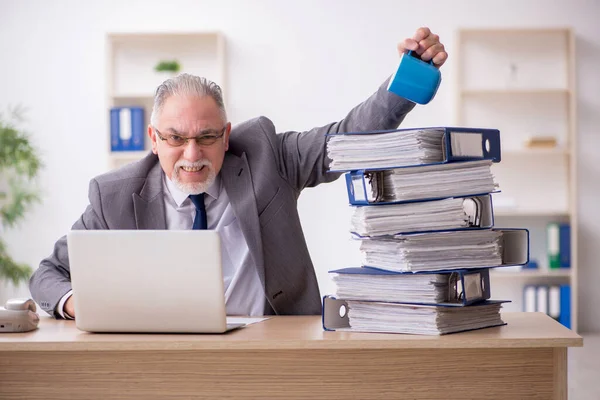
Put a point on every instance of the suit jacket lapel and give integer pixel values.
(235, 175)
(149, 205)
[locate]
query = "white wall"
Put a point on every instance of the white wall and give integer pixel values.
(301, 63)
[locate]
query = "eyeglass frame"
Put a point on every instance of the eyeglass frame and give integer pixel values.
(187, 139)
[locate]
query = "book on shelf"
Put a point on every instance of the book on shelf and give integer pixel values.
(559, 245)
(457, 213)
(451, 288)
(553, 300)
(405, 147)
(427, 182)
(127, 130)
(385, 317)
(446, 250)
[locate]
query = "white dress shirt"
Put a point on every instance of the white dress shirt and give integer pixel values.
(244, 294)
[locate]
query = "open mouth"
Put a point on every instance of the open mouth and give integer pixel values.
(193, 169)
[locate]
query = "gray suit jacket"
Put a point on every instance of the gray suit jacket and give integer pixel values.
(263, 173)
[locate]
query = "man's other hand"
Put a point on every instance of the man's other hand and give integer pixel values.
(427, 45)
(69, 308)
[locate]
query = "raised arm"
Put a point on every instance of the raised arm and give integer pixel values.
(303, 157)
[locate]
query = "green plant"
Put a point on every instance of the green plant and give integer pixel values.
(171, 66)
(19, 165)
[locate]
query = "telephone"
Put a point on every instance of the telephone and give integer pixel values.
(18, 315)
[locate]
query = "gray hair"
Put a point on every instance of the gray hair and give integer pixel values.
(186, 84)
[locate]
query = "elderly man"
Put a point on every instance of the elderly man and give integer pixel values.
(243, 182)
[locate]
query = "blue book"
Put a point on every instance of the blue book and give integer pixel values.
(565, 306)
(564, 247)
(127, 129)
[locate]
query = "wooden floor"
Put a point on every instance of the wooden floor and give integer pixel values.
(584, 369)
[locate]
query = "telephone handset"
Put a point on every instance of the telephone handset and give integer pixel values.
(18, 315)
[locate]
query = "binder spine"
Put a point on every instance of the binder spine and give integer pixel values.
(461, 144)
(335, 314)
(127, 129)
(357, 188)
(565, 305)
(475, 286)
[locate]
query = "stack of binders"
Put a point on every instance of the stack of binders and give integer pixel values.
(424, 218)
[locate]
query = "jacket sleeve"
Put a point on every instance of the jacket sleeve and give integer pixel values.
(303, 157)
(52, 280)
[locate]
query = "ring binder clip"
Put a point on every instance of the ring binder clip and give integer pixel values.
(473, 209)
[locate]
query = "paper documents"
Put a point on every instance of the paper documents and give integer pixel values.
(433, 251)
(424, 320)
(384, 150)
(436, 181)
(445, 214)
(399, 288)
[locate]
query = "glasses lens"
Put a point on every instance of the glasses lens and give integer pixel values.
(206, 140)
(175, 140)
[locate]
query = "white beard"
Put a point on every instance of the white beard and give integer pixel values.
(193, 187)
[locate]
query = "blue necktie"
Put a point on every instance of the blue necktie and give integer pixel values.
(200, 218)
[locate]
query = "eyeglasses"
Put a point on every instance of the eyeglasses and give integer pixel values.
(208, 138)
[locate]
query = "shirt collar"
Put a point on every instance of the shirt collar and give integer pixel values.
(179, 197)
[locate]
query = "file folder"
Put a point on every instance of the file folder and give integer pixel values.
(366, 187)
(554, 301)
(335, 316)
(513, 245)
(127, 129)
(458, 144)
(542, 299)
(464, 287)
(529, 298)
(479, 209)
(565, 306)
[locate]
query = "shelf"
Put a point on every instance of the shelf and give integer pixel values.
(191, 36)
(513, 92)
(499, 212)
(132, 79)
(514, 31)
(533, 273)
(558, 151)
(133, 57)
(523, 83)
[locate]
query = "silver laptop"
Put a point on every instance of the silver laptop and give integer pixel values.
(148, 281)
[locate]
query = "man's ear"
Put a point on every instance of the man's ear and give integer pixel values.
(226, 136)
(153, 139)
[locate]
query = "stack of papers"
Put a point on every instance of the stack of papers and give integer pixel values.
(437, 181)
(446, 214)
(424, 320)
(395, 288)
(385, 150)
(433, 251)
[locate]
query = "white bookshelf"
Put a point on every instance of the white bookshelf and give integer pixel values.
(522, 82)
(132, 80)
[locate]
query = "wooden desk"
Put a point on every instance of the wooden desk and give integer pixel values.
(289, 358)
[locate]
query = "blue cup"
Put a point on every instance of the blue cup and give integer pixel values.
(415, 79)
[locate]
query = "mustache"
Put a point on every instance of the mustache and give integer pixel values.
(195, 164)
